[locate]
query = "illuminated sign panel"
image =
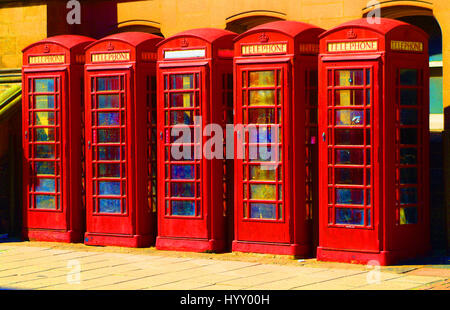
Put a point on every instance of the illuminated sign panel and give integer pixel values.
(352, 46)
(258, 49)
(194, 53)
(407, 46)
(110, 57)
(46, 59)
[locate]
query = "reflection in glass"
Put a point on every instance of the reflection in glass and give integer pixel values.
(108, 119)
(108, 83)
(44, 167)
(408, 96)
(349, 77)
(257, 173)
(408, 77)
(45, 185)
(109, 170)
(408, 215)
(408, 175)
(408, 195)
(182, 190)
(263, 191)
(353, 176)
(44, 85)
(44, 134)
(182, 100)
(44, 151)
(349, 97)
(349, 137)
(181, 81)
(261, 97)
(181, 118)
(182, 172)
(349, 196)
(262, 78)
(109, 153)
(109, 205)
(109, 188)
(183, 208)
(45, 202)
(349, 216)
(263, 211)
(108, 101)
(111, 135)
(44, 102)
(349, 156)
(261, 116)
(408, 156)
(350, 117)
(264, 134)
(44, 118)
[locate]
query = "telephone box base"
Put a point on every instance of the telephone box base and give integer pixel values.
(190, 245)
(297, 250)
(130, 241)
(382, 258)
(53, 235)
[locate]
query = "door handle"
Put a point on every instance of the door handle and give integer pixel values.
(161, 135)
(26, 134)
(324, 137)
(89, 145)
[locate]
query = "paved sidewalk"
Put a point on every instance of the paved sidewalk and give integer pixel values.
(57, 266)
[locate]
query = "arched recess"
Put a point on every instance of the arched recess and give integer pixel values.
(244, 21)
(140, 26)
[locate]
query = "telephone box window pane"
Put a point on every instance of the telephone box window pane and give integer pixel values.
(349, 137)
(45, 185)
(349, 77)
(350, 157)
(108, 101)
(182, 100)
(263, 191)
(408, 176)
(181, 118)
(408, 156)
(349, 216)
(261, 116)
(350, 117)
(408, 136)
(408, 96)
(108, 153)
(264, 153)
(182, 81)
(44, 85)
(108, 119)
(44, 151)
(44, 134)
(408, 117)
(44, 118)
(262, 78)
(183, 208)
(408, 215)
(349, 97)
(353, 176)
(263, 134)
(108, 83)
(109, 205)
(408, 195)
(261, 97)
(45, 202)
(349, 196)
(109, 135)
(182, 190)
(109, 170)
(257, 173)
(44, 102)
(182, 172)
(263, 211)
(44, 168)
(109, 188)
(408, 77)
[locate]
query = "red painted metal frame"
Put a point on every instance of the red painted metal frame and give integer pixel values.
(206, 230)
(292, 232)
(135, 224)
(384, 240)
(65, 223)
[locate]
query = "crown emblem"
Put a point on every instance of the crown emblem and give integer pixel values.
(184, 42)
(46, 48)
(351, 34)
(110, 47)
(263, 38)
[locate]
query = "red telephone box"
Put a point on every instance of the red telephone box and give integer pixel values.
(194, 80)
(121, 138)
(373, 126)
(52, 133)
(276, 84)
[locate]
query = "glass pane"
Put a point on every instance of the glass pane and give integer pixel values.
(349, 216)
(109, 205)
(261, 116)
(408, 156)
(183, 208)
(408, 175)
(45, 202)
(349, 137)
(349, 196)
(350, 117)
(109, 152)
(408, 215)
(109, 170)
(109, 188)
(108, 101)
(257, 173)
(261, 97)
(408, 195)
(349, 97)
(354, 176)
(45, 185)
(44, 118)
(408, 136)
(182, 100)
(262, 78)
(108, 135)
(108, 83)
(408, 77)
(349, 77)
(263, 211)
(264, 153)
(44, 102)
(263, 191)
(44, 134)
(44, 151)
(349, 156)
(408, 117)
(264, 134)
(182, 81)
(108, 119)
(408, 96)
(181, 118)
(44, 85)
(182, 190)
(182, 172)
(44, 168)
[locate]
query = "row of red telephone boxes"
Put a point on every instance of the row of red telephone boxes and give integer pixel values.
(348, 106)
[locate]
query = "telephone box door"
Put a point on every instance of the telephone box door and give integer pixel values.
(108, 152)
(349, 150)
(43, 172)
(262, 107)
(182, 170)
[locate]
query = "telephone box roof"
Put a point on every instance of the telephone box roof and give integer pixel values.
(133, 38)
(68, 41)
(210, 35)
